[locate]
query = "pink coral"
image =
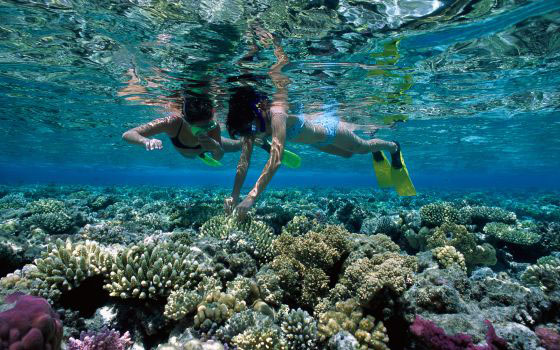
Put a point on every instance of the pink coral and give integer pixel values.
(31, 324)
(436, 338)
(550, 338)
(106, 339)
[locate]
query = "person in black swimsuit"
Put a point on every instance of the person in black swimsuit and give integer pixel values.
(189, 125)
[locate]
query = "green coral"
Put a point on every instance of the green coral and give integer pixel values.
(49, 214)
(155, 270)
(481, 215)
(300, 225)
(365, 246)
(260, 338)
(256, 233)
(215, 309)
(460, 238)
(448, 256)
(243, 288)
(545, 276)
(437, 214)
(302, 263)
(524, 233)
(65, 265)
(241, 321)
(349, 316)
(181, 303)
(366, 277)
(299, 329)
(13, 201)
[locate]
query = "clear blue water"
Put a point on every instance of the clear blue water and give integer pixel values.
(482, 110)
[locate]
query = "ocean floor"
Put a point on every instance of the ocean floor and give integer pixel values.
(163, 268)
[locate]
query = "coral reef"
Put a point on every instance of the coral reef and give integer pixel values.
(437, 214)
(448, 256)
(299, 329)
(30, 324)
(524, 233)
(106, 339)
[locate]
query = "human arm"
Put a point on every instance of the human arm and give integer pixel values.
(241, 172)
(140, 134)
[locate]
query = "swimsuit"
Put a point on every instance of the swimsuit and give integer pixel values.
(329, 121)
(177, 143)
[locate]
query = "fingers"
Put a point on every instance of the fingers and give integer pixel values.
(154, 144)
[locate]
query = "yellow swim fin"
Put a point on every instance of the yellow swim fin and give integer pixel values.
(399, 174)
(382, 169)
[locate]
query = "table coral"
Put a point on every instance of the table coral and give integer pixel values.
(524, 233)
(30, 324)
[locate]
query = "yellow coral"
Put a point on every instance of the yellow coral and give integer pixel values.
(448, 256)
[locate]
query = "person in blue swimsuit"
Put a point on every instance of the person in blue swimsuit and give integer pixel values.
(190, 125)
(253, 116)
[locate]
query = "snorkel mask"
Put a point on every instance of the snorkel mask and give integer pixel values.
(253, 129)
(198, 129)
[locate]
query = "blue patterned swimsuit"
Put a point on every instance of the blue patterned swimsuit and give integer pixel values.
(329, 121)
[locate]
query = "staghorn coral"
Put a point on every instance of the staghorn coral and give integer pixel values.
(155, 270)
(448, 256)
(525, 233)
(437, 214)
(65, 265)
(105, 339)
(255, 233)
(215, 309)
(348, 316)
(299, 329)
(366, 277)
(545, 276)
(302, 263)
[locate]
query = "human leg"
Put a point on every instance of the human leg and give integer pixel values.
(331, 149)
(349, 141)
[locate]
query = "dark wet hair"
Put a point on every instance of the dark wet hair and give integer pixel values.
(197, 108)
(242, 108)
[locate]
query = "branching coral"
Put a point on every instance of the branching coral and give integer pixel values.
(260, 338)
(215, 309)
(348, 316)
(65, 265)
(106, 339)
(437, 214)
(49, 214)
(302, 263)
(300, 225)
(299, 329)
(154, 270)
(256, 233)
(524, 233)
(481, 215)
(448, 256)
(365, 278)
(546, 276)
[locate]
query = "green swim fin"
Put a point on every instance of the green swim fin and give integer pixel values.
(382, 170)
(399, 174)
(208, 160)
(289, 158)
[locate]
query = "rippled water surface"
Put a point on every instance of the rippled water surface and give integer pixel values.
(477, 81)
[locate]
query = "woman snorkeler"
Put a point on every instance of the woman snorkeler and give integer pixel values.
(252, 116)
(190, 126)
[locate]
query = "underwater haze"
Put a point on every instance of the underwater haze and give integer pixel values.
(107, 246)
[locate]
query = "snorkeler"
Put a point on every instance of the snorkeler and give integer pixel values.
(191, 129)
(252, 116)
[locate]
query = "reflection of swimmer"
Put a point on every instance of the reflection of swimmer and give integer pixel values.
(252, 115)
(191, 129)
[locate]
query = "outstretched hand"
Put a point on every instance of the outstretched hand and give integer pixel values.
(229, 204)
(243, 208)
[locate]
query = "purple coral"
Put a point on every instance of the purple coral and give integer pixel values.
(436, 338)
(106, 339)
(30, 324)
(549, 338)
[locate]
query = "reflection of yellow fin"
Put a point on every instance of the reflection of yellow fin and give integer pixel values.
(399, 175)
(382, 170)
(393, 118)
(390, 53)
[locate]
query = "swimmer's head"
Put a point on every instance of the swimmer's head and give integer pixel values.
(197, 109)
(245, 118)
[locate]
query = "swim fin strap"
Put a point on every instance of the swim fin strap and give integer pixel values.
(289, 158)
(208, 160)
(382, 170)
(399, 175)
